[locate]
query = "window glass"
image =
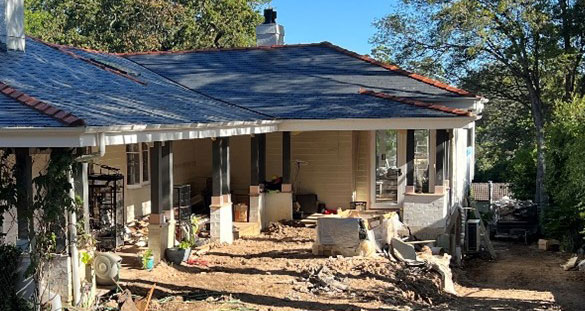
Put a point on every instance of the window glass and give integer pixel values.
(133, 164)
(386, 167)
(421, 161)
(145, 163)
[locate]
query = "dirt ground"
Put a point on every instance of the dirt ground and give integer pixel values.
(274, 272)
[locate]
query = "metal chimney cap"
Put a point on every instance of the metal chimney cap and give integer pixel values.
(269, 16)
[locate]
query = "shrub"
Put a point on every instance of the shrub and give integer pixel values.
(9, 262)
(565, 217)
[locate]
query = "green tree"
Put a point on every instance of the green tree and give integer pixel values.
(566, 175)
(532, 43)
(144, 25)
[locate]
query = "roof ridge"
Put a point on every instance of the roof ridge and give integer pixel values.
(269, 47)
(397, 69)
(62, 116)
(63, 49)
(418, 103)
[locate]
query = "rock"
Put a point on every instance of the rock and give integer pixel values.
(581, 266)
(571, 263)
(402, 250)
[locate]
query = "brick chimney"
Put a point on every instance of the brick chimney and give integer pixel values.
(269, 33)
(12, 25)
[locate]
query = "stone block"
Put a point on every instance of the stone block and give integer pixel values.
(221, 225)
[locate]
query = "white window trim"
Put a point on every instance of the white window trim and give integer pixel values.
(401, 163)
(142, 183)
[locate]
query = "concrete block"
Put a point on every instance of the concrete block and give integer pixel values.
(405, 251)
(278, 206)
(221, 225)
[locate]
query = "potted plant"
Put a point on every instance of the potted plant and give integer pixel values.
(147, 260)
(180, 253)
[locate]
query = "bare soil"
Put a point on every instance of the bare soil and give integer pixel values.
(275, 271)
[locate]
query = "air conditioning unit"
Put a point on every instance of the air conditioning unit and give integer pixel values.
(473, 235)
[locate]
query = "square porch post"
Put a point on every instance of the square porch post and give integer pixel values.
(410, 148)
(257, 177)
(161, 230)
(23, 170)
(221, 203)
(286, 180)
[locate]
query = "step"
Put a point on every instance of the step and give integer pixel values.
(247, 228)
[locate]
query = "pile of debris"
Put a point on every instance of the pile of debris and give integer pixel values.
(136, 232)
(374, 279)
(514, 219)
(283, 228)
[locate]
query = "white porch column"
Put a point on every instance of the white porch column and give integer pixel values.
(221, 225)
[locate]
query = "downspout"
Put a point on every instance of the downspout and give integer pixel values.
(72, 227)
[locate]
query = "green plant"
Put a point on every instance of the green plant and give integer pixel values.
(86, 257)
(146, 255)
(9, 262)
(185, 244)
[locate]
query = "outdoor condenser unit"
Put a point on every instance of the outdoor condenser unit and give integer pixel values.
(473, 235)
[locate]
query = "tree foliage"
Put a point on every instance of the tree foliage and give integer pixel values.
(534, 48)
(144, 25)
(566, 176)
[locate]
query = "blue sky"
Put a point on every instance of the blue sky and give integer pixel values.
(347, 23)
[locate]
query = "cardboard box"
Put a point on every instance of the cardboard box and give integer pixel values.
(549, 245)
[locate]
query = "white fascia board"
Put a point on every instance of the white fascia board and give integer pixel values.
(117, 135)
(132, 137)
(376, 124)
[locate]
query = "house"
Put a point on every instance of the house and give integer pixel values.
(326, 120)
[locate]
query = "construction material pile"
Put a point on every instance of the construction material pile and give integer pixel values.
(510, 209)
(136, 232)
(374, 279)
(353, 233)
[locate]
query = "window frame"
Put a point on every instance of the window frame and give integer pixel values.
(142, 149)
(400, 154)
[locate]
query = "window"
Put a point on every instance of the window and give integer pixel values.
(138, 169)
(421, 161)
(386, 168)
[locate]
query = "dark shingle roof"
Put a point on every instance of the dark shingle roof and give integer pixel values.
(101, 97)
(315, 81)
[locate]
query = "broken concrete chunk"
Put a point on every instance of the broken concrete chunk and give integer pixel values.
(571, 263)
(402, 250)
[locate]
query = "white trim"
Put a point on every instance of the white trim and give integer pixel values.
(375, 124)
(131, 134)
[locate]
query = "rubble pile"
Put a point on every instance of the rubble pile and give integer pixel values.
(377, 279)
(510, 209)
(136, 232)
(285, 228)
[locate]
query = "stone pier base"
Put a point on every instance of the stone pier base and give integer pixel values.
(221, 225)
